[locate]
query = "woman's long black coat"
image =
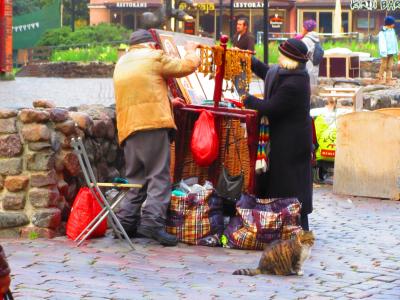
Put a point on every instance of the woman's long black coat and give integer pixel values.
(288, 112)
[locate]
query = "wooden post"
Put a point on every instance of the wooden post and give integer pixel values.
(219, 76)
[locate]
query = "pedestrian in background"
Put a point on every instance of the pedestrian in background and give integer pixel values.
(244, 40)
(5, 278)
(145, 123)
(388, 48)
(286, 104)
(311, 39)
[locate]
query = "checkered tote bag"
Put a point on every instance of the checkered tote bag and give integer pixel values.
(189, 217)
(262, 221)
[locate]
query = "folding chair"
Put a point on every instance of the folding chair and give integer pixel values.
(94, 186)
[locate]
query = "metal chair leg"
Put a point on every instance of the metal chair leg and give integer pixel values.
(117, 223)
(104, 208)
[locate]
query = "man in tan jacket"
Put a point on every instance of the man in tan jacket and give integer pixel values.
(144, 121)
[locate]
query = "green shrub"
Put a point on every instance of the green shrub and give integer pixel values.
(97, 53)
(55, 37)
(102, 33)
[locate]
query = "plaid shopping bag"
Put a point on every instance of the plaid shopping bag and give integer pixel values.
(189, 217)
(262, 221)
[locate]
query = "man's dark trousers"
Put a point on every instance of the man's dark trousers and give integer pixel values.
(147, 160)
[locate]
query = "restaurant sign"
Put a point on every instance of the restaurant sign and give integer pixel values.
(248, 4)
(131, 4)
(375, 4)
(206, 7)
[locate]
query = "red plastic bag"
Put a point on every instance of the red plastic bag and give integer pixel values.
(204, 143)
(84, 210)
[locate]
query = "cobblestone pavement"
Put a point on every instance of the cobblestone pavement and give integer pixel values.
(21, 92)
(356, 256)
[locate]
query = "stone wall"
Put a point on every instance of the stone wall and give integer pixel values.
(39, 173)
(369, 69)
(68, 70)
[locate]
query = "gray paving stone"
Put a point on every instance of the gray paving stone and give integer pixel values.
(352, 258)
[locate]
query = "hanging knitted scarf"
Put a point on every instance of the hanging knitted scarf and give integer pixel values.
(262, 162)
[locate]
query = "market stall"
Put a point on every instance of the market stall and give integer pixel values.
(197, 90)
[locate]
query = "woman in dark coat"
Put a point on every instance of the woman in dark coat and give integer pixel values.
(287, 105)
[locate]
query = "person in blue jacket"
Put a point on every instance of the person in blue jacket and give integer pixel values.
(388, 48)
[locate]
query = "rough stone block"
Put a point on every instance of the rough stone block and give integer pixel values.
(13, 201)
(9, 233)
(36, 132)
(71, 164)
(62, 187)
(65, 209)
(6, 113)
(55, 141)
(8, 125)
(44, 178)
(99, 128)
(47, 218)
(65, 142)
(10, 166)
(58, 114)
(67, 127)
(13, 219)
(39, 146)
(16, 183)
(33, 115)
(43, 198)
(82, 119)
(40, 161)
(42, 103)
(37, 232)
(59, 164)
(112, 153)
(1, 182)
(73, 188)
(110, 129)
(10, 145)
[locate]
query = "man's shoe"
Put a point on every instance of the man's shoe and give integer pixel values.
(131, 234)
(159, 234)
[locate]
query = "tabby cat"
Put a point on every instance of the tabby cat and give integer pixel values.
(284, 257)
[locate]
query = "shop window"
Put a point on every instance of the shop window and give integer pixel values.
(345, 21)
(325, 22)
(129, 21)
(309, 15)
(115, 17)
(207, 25)
(362, 22)
(258, 25)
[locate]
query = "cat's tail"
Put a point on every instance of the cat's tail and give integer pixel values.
(247, 272)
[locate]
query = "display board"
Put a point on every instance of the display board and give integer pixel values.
(196, 87)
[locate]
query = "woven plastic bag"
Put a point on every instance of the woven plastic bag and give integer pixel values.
(84, 210)
(204, 143)
(262, 221)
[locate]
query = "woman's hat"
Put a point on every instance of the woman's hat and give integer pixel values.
(140, 36)
(389, 20)
(294, 49)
